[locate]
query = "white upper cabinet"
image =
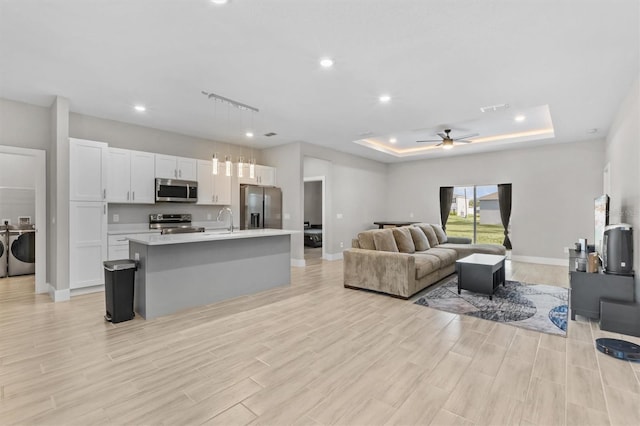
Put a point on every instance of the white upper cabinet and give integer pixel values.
(170, 167)
(213, 189)
(265, 175)
(131, 176)
(88, 170)
(143, 177)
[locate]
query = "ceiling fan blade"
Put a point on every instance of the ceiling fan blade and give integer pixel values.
(431, 140)
(442, 135)
(441, 143)
(465, 136)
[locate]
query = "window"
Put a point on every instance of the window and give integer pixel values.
(475, 213)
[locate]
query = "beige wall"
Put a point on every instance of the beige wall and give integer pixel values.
(553, 191)
(623, 157)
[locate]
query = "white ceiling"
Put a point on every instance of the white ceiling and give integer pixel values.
(439, 60)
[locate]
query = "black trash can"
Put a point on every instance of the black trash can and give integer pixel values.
(119, 277)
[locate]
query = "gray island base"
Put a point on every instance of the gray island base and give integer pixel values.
(179, 272)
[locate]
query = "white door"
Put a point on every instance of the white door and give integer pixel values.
(118, 176)
(187, 168)
(142, 177)
(166, 167)
(222, 189)
(87, 170)
(205, 183)
(87, 243)
(266, 175)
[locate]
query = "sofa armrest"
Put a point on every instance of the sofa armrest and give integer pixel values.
(383, 271)
(458, 240)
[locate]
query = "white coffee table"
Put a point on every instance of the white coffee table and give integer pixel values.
(480, 273)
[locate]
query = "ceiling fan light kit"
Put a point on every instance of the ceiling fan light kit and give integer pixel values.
(447, 141)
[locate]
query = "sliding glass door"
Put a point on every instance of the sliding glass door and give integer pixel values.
(475, 213)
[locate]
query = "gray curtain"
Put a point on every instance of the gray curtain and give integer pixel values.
(504, 200)
(446, 198)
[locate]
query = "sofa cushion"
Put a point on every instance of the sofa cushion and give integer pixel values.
(430, 233)
(420, 240)
(384, 241)
(403, 240)
(465, 250)
(447, 256)
(442, 236)
(365, 240)
(425, 265)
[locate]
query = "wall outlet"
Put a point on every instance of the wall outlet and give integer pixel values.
(411, 215)
(339, 216)
(136, 256)
(341, 244)
(209, 217)
(116, 218)
(287, 216)
(566, 249)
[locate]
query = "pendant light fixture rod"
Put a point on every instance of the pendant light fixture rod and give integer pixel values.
(231, 102)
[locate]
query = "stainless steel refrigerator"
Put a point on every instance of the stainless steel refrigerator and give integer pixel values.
(260, 207)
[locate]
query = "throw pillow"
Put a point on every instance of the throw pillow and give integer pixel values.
(384, 240)
(365, 240)
(430, 233)
(442, 237)
(420, 240)
(403, 239)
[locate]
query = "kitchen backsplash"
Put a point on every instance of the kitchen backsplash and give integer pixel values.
(130, 213)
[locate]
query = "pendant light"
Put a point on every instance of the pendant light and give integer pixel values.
(214, 160)
(227, 162)
(240, 166)
(252, 168)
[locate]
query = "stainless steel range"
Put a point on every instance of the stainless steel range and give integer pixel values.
(173, 223)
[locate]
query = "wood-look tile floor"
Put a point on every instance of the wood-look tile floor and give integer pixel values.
(307, 354)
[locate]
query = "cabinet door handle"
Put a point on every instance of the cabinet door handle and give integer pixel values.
(127, 195)
(180, 173)
(175, 172)
(104, 194)
(134, 195)
(104, 208)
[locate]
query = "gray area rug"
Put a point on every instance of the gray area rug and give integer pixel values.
(532, 306)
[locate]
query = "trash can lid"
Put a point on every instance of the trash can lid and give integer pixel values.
(119, 265)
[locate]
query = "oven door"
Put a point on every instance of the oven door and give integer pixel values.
(176, 191)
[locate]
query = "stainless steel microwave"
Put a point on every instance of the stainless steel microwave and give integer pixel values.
(176, 191)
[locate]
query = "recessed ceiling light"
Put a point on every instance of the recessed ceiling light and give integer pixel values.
(520, 118)
(140, 108)
(220, 2)
(393, 140)
(592, 131)
(249, 134)
(326, 62)
(384, 99)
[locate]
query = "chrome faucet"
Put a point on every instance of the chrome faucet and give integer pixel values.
(222, 210)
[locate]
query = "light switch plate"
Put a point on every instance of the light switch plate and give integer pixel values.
(339, 216)
(116, 218)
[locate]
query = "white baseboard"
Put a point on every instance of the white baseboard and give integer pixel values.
(59, 295)
(541, 260)
(333, 256)
(298, 263)
(87, 290)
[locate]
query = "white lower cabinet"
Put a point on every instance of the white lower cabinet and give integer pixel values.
(87, 243)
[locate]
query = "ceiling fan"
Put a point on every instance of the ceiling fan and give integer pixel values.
(447, 141)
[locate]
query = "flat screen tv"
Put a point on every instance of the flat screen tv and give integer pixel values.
(601, 211)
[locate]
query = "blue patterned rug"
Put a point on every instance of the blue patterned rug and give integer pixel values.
(532, 306)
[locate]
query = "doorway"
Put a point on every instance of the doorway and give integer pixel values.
(23, 199)
(314, 219)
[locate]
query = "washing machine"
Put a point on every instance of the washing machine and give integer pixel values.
(22, 251)
(3, 251)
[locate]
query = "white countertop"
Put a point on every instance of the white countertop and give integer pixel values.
(195, 237)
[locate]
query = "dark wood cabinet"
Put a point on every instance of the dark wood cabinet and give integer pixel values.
(588, 288)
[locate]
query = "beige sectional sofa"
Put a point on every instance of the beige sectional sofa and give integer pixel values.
(402, 261)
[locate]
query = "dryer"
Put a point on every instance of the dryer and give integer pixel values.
(3, 251)
(22, 251)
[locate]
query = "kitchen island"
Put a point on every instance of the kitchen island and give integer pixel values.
(182, 271)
